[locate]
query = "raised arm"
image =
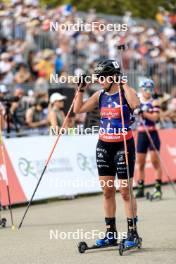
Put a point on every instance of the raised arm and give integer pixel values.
(131, 96)
(81, 106)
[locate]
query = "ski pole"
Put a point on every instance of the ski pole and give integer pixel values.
(48, 160)
(122, 47)
(5, 175)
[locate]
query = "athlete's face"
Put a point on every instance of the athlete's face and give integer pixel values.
(146, 94)
(105, 82)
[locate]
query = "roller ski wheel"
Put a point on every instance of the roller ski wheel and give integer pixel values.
(157, 195)
(3, 222)
(149, 196)
(139, 242)
(121, 249)
(82, 247)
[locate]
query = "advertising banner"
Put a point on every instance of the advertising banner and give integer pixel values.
(72, 168)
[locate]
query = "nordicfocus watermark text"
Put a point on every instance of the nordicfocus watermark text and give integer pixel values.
(89, 79)
(79, 130)
(55, 183)
(80, 234)
(87, 27)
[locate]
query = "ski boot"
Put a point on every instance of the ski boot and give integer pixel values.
(157, 194)
(110, 240)
(132, 241)
(140, 190)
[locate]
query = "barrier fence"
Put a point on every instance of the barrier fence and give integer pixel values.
(164, 72)
(72, 169)
(165, 84)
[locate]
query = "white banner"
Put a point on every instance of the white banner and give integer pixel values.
(72, 168)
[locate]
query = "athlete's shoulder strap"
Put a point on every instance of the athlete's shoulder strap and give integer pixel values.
(123, 92)
(100, 95)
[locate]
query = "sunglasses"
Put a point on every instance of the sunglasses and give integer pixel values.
(148, 90)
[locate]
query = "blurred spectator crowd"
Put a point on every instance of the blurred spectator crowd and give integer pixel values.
(30, 52)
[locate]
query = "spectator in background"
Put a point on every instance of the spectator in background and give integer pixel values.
(41, 84)
(18, 109)
(56, 114)
(3, 44)
(22, 75)
(3, 92)
(160, 16)
(36, 116)
(58, 62)
(31, 2)
(172, 110)
(165, 120)
(168, 110)
(25, 38)
(45, 63)
(30, 61)
(127, 18)
(2, 121)
(5, 69)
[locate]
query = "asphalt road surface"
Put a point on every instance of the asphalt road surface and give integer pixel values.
(39, 240)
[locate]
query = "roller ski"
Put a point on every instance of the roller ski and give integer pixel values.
(131, 242)
(110, 240)
(157, 194)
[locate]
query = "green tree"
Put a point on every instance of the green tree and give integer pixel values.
(139, 8)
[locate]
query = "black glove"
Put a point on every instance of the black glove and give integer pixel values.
(138, 111)
(145, 108)
(141, 110)
(82, 83)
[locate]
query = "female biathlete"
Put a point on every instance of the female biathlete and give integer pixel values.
(110, 154)
(150, 113)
